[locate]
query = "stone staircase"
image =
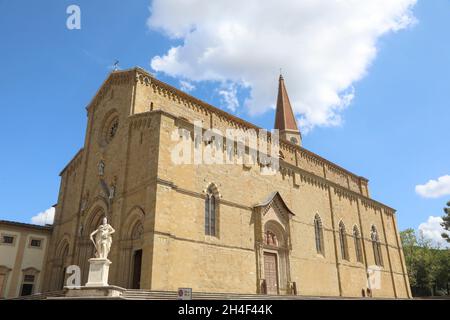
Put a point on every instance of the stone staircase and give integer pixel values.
(42, 296)
(132, 294)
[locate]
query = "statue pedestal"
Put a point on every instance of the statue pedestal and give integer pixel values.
(109, 292)
(98, 272)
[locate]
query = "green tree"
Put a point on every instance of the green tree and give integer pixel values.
(428, 266)
(446, 223)
(442, 272)
(409, 243)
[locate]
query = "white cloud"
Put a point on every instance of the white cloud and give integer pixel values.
(323, 47)
(44, 218)
(432, 230)
(435, 188)
(229, 96)
(186, 86)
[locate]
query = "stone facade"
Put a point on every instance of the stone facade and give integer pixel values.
(23, 250)
(125, 171)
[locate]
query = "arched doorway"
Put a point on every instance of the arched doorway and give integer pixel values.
(131, 249)
(274, 258)
(87, 249)
(136, 249)
(61, 262)
(63, 268)
(272, 234)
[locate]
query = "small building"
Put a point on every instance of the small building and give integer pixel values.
(23, 249)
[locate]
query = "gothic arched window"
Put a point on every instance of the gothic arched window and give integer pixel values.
(343, 241)
(358, 248)
(210, 212)
(376, 245)
(318, 229)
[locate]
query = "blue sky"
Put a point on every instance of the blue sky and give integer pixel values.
(395, 131)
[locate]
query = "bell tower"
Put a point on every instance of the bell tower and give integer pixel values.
(284, 116)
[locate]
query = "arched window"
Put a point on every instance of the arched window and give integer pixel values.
(343, 241)
(357, 239)
(319, 235)
(376, 245)
(210, 212)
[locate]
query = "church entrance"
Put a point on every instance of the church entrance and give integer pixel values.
(271, 272)
(137, 263)
(273, 245)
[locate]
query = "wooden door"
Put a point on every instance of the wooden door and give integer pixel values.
(271, 272)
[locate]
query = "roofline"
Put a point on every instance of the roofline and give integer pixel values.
(219, 111)
(233, 117)
(71, 160)
(270, 199)
(26, 225)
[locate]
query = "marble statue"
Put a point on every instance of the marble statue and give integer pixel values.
(101, 168)
(103, 239)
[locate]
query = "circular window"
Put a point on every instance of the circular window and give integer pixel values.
(112, 129)
(109, 130)
(294, 140)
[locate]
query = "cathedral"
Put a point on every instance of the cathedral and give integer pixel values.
(309, 229)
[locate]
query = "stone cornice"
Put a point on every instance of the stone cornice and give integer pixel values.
(289, 169)
(340, 190)
(46, 228)
(74, 163)
(114, 78)
(180, 96)
(145, 78)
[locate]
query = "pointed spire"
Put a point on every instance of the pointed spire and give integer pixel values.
(284, 116)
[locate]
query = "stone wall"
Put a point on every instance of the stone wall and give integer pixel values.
(168, 200)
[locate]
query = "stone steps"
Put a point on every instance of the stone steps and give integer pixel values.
(41, 296)
(172, 295)
(134, 294)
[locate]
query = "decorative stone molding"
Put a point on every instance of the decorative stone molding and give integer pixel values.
(344, 193)
(272, 236)
(31, 271)
(135, 216)
(106, 135)
(115, 78)
(388, 211)
(313, 181)
(276, 201)
(140, 121)
(144, 78)
(73, 164)
(213, 187)
(370, 204)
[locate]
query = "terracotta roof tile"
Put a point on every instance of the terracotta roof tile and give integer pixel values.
(284, 116)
